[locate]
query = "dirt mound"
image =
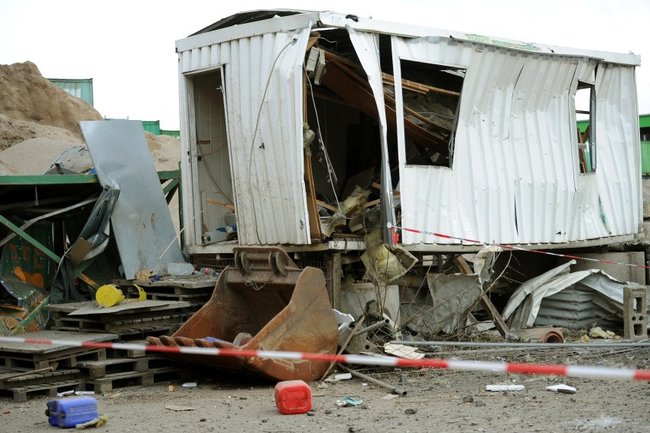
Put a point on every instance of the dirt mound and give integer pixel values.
(13, 131)
(166, 151)
(26, 95)
(38, 121)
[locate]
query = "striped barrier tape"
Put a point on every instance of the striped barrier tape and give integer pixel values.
(594, 372)
(514, 247)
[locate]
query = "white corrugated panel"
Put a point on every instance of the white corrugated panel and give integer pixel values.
(366, 46)
(264, 106)
(618, 148)
(263, 88)
(515, 176)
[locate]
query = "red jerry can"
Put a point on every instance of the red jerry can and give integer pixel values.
(293, 397)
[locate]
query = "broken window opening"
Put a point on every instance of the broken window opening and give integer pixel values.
(431, 99)
(585, 107)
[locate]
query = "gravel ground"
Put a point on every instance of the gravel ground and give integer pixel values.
(436, 400)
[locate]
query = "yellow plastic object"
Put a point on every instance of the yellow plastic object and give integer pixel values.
(142, 295)
(109, 295)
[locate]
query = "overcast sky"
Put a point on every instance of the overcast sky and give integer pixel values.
(127, 47)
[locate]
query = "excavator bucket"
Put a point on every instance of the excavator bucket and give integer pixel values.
(263, 302)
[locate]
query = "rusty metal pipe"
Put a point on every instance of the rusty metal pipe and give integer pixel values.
(393, 389)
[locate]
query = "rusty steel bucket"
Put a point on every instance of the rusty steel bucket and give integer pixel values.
(263, 302)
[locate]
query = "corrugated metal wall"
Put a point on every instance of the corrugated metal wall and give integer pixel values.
(263, 84)
(515, 176)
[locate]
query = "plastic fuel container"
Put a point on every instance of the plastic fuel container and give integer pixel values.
(68, 412)
(293, 397)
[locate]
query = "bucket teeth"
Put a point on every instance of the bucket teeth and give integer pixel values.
(184, 341)
(203, 343)
(154, 341)
(167, 341)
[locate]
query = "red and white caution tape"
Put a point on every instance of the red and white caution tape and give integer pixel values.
(594, 372)
(515, 247)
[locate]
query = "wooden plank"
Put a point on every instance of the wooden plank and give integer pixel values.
(327, 206)
(40, 378)
(185, 281)
(130, 307)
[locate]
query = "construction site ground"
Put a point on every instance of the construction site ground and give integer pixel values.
(436, 401)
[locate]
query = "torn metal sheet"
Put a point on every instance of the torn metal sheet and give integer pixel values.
(143, 227)
(355, 298)
(569, 299)
(453, 298)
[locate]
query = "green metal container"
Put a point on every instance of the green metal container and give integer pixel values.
(81, 88)
(152, 126)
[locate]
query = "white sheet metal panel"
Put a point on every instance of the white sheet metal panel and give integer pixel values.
(263, 87)
(515, 175)
(544, 154)
(264, 95)
(618, 148)
(366, 46)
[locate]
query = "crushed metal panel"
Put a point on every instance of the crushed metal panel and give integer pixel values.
(563, 298)
(263, 83)
(511, 102)
(142, 224)
(453, 297)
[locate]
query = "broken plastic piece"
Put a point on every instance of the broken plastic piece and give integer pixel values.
(562, 388)
(349, 401)
(504, 388)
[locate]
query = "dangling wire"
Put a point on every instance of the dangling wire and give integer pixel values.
(330, 167)
(293, 40)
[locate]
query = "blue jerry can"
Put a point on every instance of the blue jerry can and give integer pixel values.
(68, 412)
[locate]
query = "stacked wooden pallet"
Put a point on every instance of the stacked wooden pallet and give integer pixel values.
(121, 371)
(125, 319)
(195, 289)
(29, 369)
(42, 369)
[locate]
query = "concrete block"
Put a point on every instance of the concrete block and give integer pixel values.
(635, 317)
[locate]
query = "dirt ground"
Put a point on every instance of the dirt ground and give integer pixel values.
(436, 401)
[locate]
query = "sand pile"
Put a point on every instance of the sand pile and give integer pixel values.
(26, 95)
(38, 121)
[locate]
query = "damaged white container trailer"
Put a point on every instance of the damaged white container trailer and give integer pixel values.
(454, 137)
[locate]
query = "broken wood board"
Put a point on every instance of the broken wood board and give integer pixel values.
(148, 305)
(185, 281)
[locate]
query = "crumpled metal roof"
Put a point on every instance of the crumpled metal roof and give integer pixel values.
(248, 17)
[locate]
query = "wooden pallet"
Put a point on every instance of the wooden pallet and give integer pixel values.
(100, 369)
(132, 378)
(13, 379)
(35, 361)
(120, 327)
(183, 281)
(50, 389)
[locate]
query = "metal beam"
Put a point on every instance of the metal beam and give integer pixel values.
(45, 250)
